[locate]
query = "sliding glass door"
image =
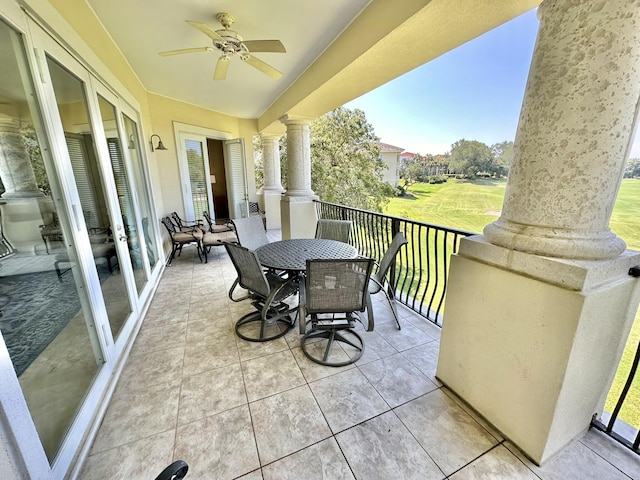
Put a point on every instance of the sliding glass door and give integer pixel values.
(51, 332)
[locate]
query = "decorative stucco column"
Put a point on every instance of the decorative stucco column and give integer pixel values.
(272, 189)
(539, 309)
(15, 166)
(298, 210)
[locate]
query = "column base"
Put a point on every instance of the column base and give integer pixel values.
(554, 242)
(272, 200)
(299, 217)
(533, 343)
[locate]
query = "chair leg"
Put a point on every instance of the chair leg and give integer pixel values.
(392, 304)
(332, 337)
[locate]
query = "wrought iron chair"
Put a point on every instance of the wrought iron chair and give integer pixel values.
(267, 292)
(379, 278)
(217, 228)
(250, 232)
(185, 225)
(333, 294)
(180, 238)
(333, 229)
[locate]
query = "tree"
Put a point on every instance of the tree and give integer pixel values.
(503, 153)
(346, 167)
(633, 168)
(470, 158)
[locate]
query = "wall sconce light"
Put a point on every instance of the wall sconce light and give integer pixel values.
(132, 142)
(160, 145)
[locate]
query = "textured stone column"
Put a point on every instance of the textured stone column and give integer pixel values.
(298, 157)
(15, 166)
(298, 213)
(539, 310)
(574, 133)
(272, 189)
(271, 162)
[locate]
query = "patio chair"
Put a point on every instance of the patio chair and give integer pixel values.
(379, 278)
(217, 228)
(250, 232)
(334, 292)
(181, 238)
(185, 225)
(267, 292)
(333, 229)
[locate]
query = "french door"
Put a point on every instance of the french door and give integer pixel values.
(80, 247)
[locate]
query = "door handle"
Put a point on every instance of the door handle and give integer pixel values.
(123, 238)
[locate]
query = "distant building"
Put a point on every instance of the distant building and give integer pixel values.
(405, 157)
(390, 155)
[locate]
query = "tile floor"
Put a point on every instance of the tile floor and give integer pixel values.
(193, 390)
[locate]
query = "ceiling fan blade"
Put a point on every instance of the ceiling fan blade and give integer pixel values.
(208, 31)
(263, 67)
(221, 69)
(274, 46)
(185, 50)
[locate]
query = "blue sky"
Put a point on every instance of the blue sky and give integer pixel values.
(473, 92)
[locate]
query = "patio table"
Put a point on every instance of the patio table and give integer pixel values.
(292, 255)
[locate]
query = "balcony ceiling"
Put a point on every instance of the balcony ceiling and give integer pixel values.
(336, 50)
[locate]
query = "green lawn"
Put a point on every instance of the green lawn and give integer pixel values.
(470, 206)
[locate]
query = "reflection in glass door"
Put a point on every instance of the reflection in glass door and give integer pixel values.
(74, 114)
(131, 231)
(142, 192)
(45, 319)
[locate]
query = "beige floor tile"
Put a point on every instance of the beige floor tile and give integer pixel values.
(211, 392)
(397, 380)
(497, 464)
(382, 448)
(375, 347)
(404, 339)
(451, 437)
(214, 353)
(255, 475)
(287, 422)
(321, 461)
(144, 458)
(313, 371)
(610, 450)
(218, 447)
(425, 358)
(138, 414)
(347, 399)
(250, 350)
(152, 339)
(574, 462)
(271, 374)
(154, 368)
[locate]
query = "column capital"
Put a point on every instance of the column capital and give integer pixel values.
(275, 137)
(296, 120)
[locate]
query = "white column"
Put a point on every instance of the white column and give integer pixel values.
(575, 132)
(298, 210)
(272, 189)
(538, 310)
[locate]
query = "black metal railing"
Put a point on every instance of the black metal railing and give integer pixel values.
(419, 275)
(611, 423)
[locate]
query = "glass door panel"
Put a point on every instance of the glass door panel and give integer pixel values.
(125, 198)
(92, 189)
(45, 318)
(141, 191)
(195, 173)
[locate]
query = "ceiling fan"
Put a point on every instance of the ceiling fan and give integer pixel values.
(230, 43)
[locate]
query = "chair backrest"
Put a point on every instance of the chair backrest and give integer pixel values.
(207, 217)
(247, 265)
(171, 228)
(250, 232)
(387, 259)
(333, 229)
(337, 286)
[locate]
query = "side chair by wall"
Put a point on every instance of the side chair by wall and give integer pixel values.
(181, 238)
(333, 294)
(268, 293)
(379, 278)
(333, 229)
